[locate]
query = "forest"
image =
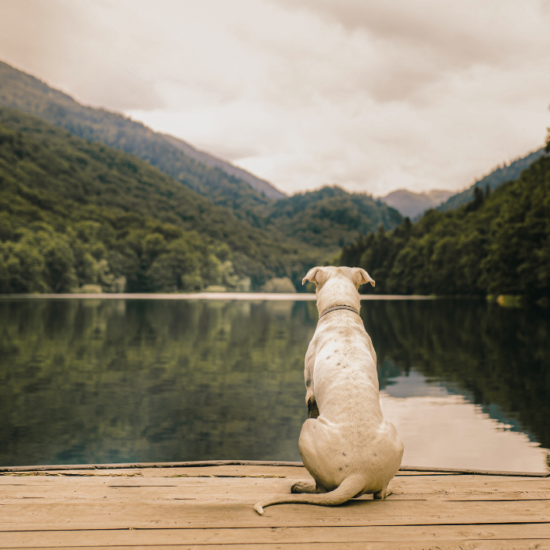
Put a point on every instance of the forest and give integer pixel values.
(497, 244)
(75, 213)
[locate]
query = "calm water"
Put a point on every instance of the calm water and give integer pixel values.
(97, 381)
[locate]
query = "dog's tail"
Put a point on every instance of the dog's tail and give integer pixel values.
(350, 487)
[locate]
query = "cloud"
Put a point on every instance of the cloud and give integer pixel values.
(79, 49)
(462, 34)
(372, 96)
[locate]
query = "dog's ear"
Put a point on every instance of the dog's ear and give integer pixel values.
(360, 277)
(311, 274)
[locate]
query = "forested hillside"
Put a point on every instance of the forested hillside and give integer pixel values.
(506, 172)
(499, 243)
(21, 91)
(74, 212)
(259, 184)
(298, 217)
(330, 217)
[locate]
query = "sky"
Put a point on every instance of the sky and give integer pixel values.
(370, 95)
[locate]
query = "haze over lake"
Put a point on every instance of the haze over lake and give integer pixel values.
(123, 380)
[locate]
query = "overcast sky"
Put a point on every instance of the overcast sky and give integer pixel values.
(368, 94)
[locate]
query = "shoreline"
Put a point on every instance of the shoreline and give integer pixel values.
(251, 296)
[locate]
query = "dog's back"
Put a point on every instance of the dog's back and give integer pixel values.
(344, 370)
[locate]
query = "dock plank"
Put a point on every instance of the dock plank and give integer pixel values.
(211, 507)
(53, 539)
(189, 514)
(541, 544)
(248, 490)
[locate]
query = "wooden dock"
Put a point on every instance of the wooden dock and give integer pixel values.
(209, 505)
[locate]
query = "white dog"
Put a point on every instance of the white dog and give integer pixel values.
(346, 445)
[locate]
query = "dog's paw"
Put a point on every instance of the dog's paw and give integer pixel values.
(381, 495)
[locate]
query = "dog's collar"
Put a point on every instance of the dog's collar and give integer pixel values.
(334, 308)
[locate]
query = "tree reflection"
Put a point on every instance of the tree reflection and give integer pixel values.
(84, 381)
(494, 355)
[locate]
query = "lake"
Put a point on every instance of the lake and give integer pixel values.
(466, 383)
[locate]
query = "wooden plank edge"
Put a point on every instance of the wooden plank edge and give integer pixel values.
(465, 471)
(143, 465)
(475, 524)
(481, 544)
(205, 463)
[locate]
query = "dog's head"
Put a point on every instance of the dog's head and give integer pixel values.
(321, 275)
(338, 285)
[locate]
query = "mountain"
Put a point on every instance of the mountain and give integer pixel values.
(499, 243)
(19, 90)
(75, 212)
(260, 185)
(412, 204)
(506, 172)
(330, 217)
(249, 198)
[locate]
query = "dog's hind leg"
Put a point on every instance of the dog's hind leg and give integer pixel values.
(381, 495)
(306, 487)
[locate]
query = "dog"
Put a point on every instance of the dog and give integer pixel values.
(346, 445)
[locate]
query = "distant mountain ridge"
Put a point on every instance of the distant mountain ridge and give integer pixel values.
(256, 183)
(506, 172)
(412, 204)
(19, 90)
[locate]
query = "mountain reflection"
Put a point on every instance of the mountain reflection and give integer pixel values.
(91, 381)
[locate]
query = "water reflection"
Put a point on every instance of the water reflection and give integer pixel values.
(453, 432)
(467, 384)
